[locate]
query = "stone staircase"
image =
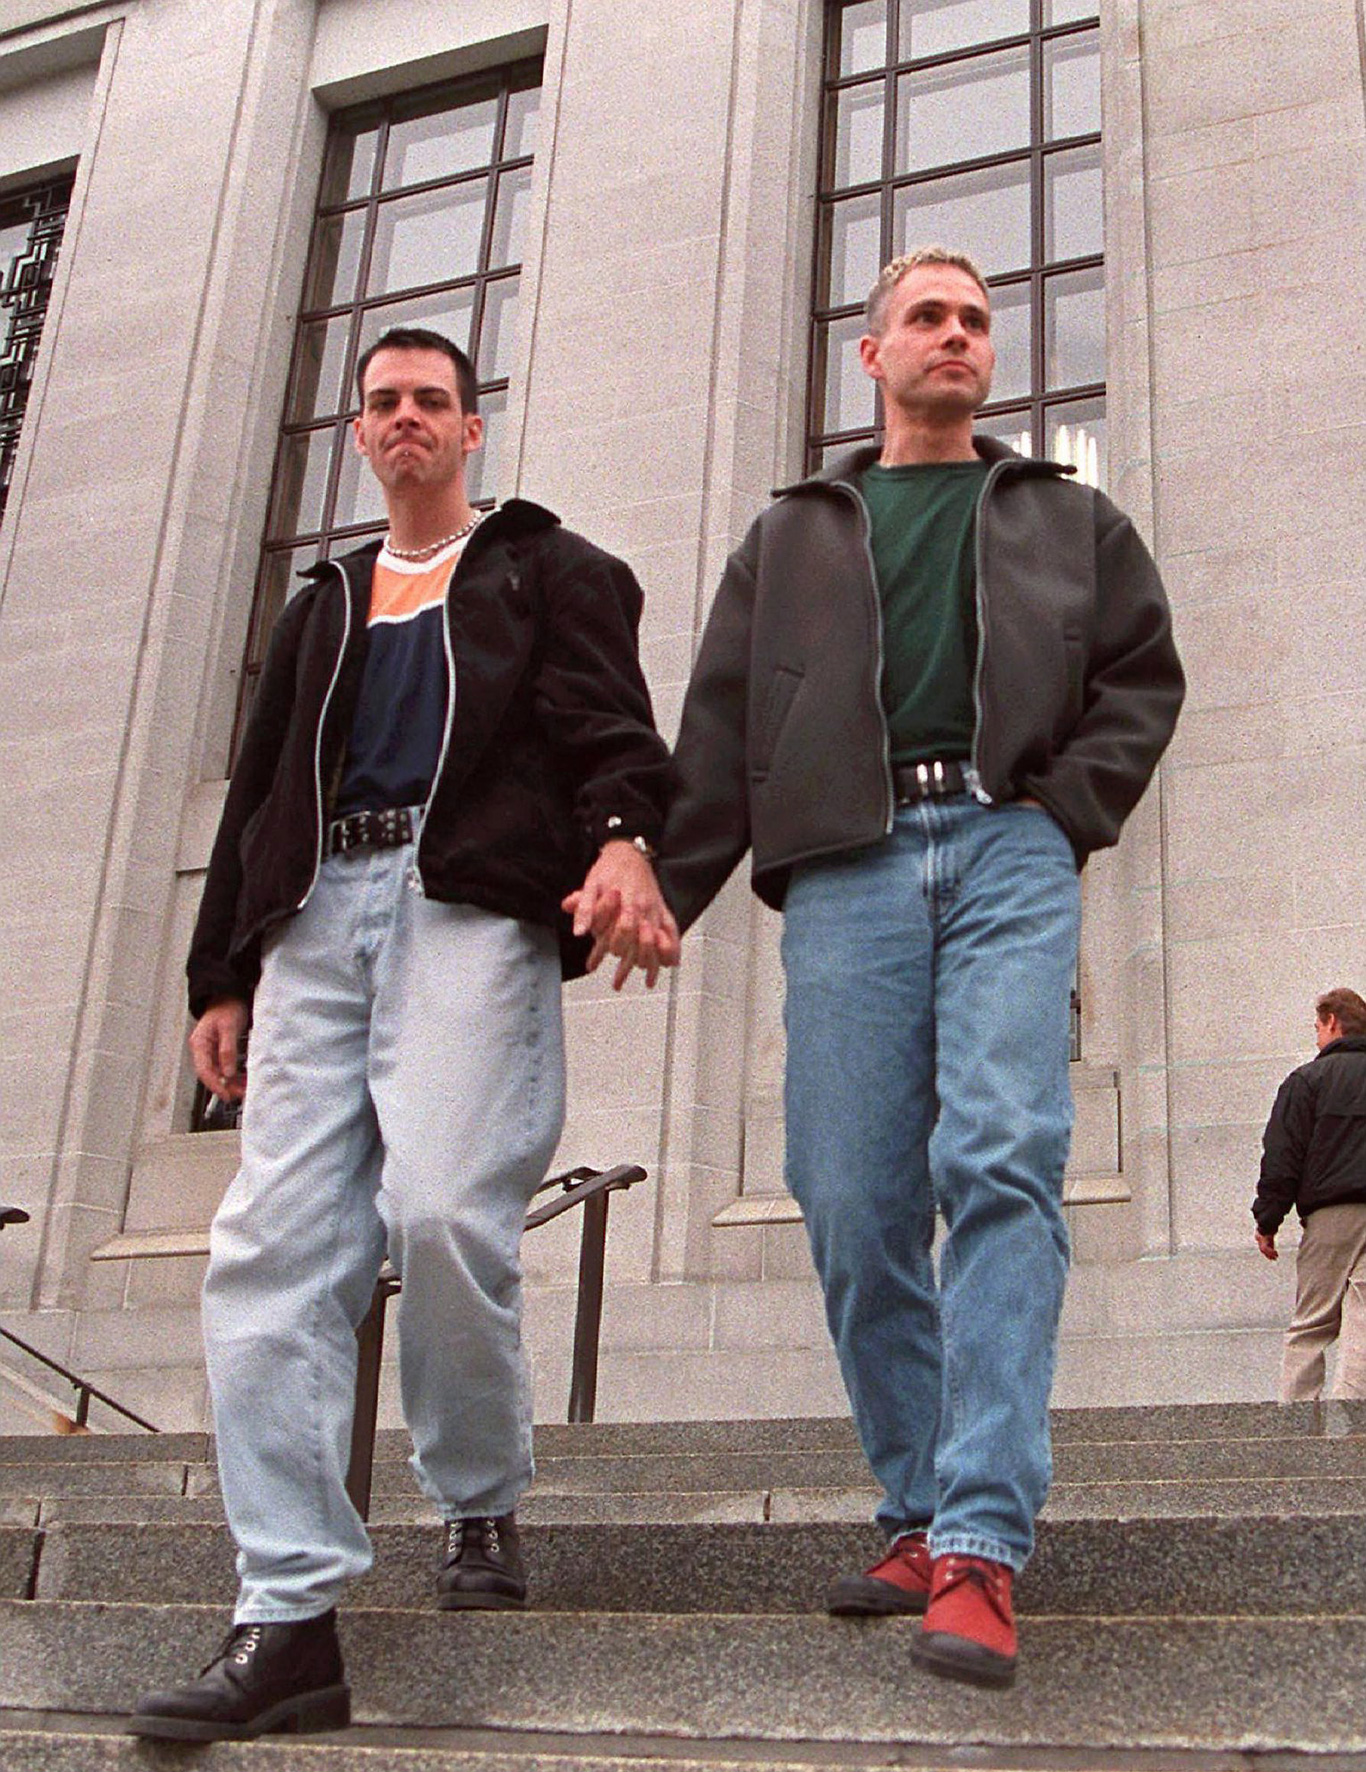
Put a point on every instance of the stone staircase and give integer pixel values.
(1198, 1600)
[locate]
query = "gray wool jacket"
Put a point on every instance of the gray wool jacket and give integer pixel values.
(783, 747)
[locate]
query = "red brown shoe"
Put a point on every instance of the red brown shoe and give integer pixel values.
(900, 1583)
(969, 1628)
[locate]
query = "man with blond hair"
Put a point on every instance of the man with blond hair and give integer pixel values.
(936, 676)
(1314, 1159)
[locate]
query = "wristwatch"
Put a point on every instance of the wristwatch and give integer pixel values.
(615, 834)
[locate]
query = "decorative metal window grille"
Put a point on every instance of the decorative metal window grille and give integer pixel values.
(31, 226)
(972, 124)
(420, 222)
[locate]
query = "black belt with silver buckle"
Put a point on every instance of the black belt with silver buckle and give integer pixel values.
(927, 781)
(388, 829)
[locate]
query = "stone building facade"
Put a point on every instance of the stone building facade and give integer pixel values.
(658, 370)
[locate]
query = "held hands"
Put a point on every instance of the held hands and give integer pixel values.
(215, 1041)
(621, 907)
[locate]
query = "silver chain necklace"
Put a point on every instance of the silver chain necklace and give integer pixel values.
(433, 547)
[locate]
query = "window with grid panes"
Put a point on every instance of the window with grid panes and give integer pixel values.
(972, 124)
(420, 222)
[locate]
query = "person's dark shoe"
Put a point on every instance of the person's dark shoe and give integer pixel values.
(481, 1566)
(267, 1678)
(899, 1583)
(969, 1628)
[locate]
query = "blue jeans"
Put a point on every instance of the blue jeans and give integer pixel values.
(927, 1050)
(405, 1091)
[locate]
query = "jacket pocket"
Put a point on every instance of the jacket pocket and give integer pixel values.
(1074, 684)
(777, 704)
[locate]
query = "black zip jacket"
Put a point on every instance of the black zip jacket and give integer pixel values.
(550, 735)
(1314, 1146)
(783, 746)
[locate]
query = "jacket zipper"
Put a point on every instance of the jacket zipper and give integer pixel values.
(322, 722)
(994, 473)
(889, 794)
(417, 882)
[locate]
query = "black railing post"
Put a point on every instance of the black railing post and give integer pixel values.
(584, 1187)
(369, 1353)
(583, 1383)
(82, 1405)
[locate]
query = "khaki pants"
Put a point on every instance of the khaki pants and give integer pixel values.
(1330, 1305)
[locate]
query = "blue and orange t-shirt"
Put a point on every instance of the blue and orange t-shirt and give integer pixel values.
(400, 717)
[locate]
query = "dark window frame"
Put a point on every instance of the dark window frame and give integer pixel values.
(279, 544)
(1031, 411)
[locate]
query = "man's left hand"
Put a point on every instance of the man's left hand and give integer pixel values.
(621, 907)
(1267, 1244)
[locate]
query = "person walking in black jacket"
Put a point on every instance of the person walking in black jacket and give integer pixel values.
(1314, 1159)
(935, 677)
(450, 727)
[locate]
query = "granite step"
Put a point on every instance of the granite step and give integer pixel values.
(191, 1448)
(81, 1743)
(1217, 1498)
(1160, 1422)
(18, 1561)
(1085, 1462)
(100, 1477)
(1215, 1442)
(1216, 1684)
(1286, 1566)
(704, 1472)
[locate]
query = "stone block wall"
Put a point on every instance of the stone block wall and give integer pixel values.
(658, 392)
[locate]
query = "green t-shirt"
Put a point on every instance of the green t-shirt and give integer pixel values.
(922, 536)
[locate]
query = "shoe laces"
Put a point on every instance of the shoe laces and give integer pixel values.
(240, 1644)
(481, 1531)
(989, 1578)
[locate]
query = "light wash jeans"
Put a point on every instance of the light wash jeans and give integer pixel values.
(927, 1030)
(405, 1090)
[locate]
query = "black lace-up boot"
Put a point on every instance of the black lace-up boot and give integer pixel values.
(265, 1678)
(481, 1566)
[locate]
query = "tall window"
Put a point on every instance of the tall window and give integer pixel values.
(420, 222)
(31, 225)
(971, 124)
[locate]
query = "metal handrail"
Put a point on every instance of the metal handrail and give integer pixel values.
(82, 1386)
(590, 1188)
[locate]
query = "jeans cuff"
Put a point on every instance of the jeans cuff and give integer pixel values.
(892, 1532)
(971, 1544)
(280, 1615)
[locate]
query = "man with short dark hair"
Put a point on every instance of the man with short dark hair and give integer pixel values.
(450, 725)
(936, 676)
(1314, 1159)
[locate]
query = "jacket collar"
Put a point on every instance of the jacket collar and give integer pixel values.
(847, 468)
(1348, 1043)
(518, 517)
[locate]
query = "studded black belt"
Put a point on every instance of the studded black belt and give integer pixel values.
(388, 829)
(927, 781)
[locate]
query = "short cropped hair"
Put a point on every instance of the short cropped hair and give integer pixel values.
(891, 275)
(420, 338)
(1349, 1008)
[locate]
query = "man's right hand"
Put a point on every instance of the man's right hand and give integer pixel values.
(1267, 1245)
(215, 1041)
